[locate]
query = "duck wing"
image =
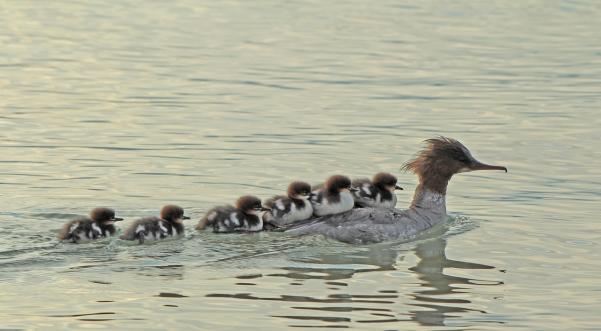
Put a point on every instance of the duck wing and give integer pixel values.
(365, 225)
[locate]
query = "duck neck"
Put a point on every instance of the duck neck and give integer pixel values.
(431, 198)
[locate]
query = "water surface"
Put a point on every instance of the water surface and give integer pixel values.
(135, 105)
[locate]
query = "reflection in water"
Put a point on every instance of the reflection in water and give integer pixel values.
(430, 271)
(171, 295)
(173, 271)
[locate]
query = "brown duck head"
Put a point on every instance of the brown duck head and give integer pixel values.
(440, 159)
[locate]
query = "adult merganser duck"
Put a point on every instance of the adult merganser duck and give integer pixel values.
(376, 193)
(98, 225)
(434, 165)
(155, 228)
(334, 197)
(291, 208)
(245, 217)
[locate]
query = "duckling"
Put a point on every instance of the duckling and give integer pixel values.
(155, 228)
(98, 225)
(334, 197)
(291, 208)
(245, 217)
(377, 193)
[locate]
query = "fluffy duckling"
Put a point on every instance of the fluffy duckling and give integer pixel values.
(244, 217)
(376, 193)
(334, 197)
(291, 208)
(155, 228)
(98, 225)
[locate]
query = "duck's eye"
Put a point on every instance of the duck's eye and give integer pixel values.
(461, 157)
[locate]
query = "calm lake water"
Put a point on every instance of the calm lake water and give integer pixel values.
(135, 105)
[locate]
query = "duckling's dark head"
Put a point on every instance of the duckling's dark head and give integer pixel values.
(441, 159)
(173, 213)
(104, 216)
(337, 183)
(299, 190)
(250, 204)
(386, 181)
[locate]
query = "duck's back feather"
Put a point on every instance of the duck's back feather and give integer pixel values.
(366, 225)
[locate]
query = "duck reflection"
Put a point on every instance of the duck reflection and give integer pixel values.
(430, 270)
(431, 298)
(432, 307)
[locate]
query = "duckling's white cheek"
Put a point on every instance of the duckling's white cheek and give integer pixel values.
(464, 169)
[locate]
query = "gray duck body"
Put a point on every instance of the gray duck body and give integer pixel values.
(371, 225)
